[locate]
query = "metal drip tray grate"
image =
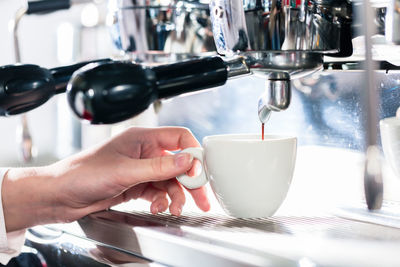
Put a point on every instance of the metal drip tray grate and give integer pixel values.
(325, 226)
(388, 215)
(197, 239)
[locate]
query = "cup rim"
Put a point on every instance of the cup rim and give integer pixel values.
(249, 137)
(391, 121)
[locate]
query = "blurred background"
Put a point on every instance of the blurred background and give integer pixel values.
(52, 40)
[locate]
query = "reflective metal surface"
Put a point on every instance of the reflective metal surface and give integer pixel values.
(373, 181)
(264, 111)
(279, 67)
(216, 240)
(161, 240)
(277, 37)
(252, 25)
(295, 63)
(24, 137)
(59, 248)
(272, 36)
(276, 97)
(327, 108)
(373, 167)
(389, 215)
(278, 94)
(392, 22)
(148, 29)
(237, 66)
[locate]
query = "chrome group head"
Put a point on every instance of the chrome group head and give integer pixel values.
(276, 25)
(153, 31)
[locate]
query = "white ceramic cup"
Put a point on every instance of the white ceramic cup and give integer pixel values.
(390, 136)
(250, 177)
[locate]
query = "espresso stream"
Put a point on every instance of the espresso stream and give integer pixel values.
(262, 131)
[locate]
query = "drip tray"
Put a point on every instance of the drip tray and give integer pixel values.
(388, 215)
(217, 240)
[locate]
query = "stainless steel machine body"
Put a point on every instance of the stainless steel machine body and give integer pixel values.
(151, 31)
(252, 25)
(392, 25)
(281, 40)
(277, 39)
(143, 239)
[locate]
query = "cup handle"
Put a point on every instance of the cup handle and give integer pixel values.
(197, 181)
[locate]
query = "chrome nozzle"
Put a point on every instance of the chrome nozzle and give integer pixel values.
(276, 97)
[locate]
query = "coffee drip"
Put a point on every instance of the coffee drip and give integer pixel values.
(262, 130)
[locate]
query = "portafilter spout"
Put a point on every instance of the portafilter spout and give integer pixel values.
(276, 96)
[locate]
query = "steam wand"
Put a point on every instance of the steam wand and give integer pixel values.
(373, 181)
(24, 137)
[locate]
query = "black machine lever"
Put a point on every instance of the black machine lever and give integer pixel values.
(108, 91)
(47, 6)
(115, 91)
(26, 87)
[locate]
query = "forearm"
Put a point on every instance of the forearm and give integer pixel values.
(27, 198)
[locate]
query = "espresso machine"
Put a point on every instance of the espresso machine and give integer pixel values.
(294, 56)
(276, 40)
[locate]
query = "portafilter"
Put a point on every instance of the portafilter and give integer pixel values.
(112, 91)
(280, 40)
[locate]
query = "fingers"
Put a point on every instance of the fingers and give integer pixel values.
(135, 171)
(148, 142)
(177, 196)
(175, 193)
(157, 195)
(174, 138)
(196, 168)
(158, 199)
(199, 196)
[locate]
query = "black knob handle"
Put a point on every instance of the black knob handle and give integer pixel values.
(62, 74)
(113, 92)
(24, 87)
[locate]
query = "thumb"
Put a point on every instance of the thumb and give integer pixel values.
(157, 169)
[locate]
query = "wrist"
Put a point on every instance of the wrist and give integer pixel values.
(26, 198)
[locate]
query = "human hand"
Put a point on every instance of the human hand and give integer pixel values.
(135, 164)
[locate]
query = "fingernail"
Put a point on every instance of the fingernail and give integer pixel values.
(182, 159)
(154, 210)
(160, 208)
(206, 207)
(177, 212)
